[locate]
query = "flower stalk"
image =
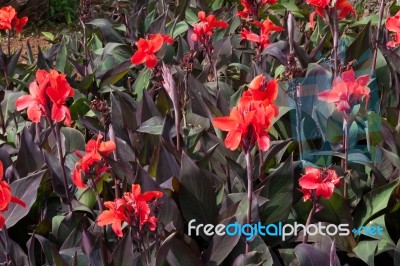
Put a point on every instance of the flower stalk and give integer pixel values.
(346, 152)
(381, 9)
(249, 167)
(62, 164)
(310, 218)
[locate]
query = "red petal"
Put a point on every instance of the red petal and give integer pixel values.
(57, 113)
(77, 178)
(392, 24)
(225, 123)
(106, 217)
(107, 147)
(151, 61)
(138, 58)
(263, 143)
(349, 76)
(325, 190)
(2, 220)
(309, 181)
(34, 113)
(257, 82)
(156, 42)
(233, 139)
(18, 201)
(363, 80)
(24, 102)
(116, 226)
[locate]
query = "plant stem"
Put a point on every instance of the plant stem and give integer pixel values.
(96, 193)
(62, 163)
(9, 43)
(298, 120)
(7, 244)
(249, 165)
(335, 34)
(116, 180)
(381, 9)
(346, 153)
(310, 218)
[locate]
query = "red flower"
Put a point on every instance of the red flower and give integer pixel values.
(266, 28)
(7, 14)
(203, 30)
(256, 93)
(9, 20)
(92, 162)
(250, 121)
(49, 91)
(346, 91)
(393, 25)
(115, 216)
(251, 7)
(166, 38)
(320, 181)
(133, 208)
(343, 7)
(147, 49)
(6, 197)
(139, 202)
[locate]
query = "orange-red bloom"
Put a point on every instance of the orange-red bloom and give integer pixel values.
(48, 92)
(319, 182)
(393, 25)
(6, 197)
(346, 91)
(133, 208)
(251, 7)
(343, 7)
(249, 122)
(147, 49)
(9, 19)
(266, 28)
(92, 162)
(203, 30)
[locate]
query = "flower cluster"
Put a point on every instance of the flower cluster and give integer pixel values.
(133, 208)
(343, 7)
(346, 91)
(393, 25)
(262, 39)
(6, 197)
(318, 183)
(92, 163)
(250, 121)
(147, 49)
(203, 30)
(47, 97)
(251, 7)
(9, 20)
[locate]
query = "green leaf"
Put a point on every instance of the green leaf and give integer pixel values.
(48, 35)
(365, 250)
(373, 202)
(74, 139)
(141, 83)
(153, 126)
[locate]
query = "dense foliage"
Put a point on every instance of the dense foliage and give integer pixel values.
(160, 116)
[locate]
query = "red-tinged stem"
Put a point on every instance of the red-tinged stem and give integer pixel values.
(310, 218)
(346, 153)
(249, 165)
(297, 100)
(62, 164)
(381, 9)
